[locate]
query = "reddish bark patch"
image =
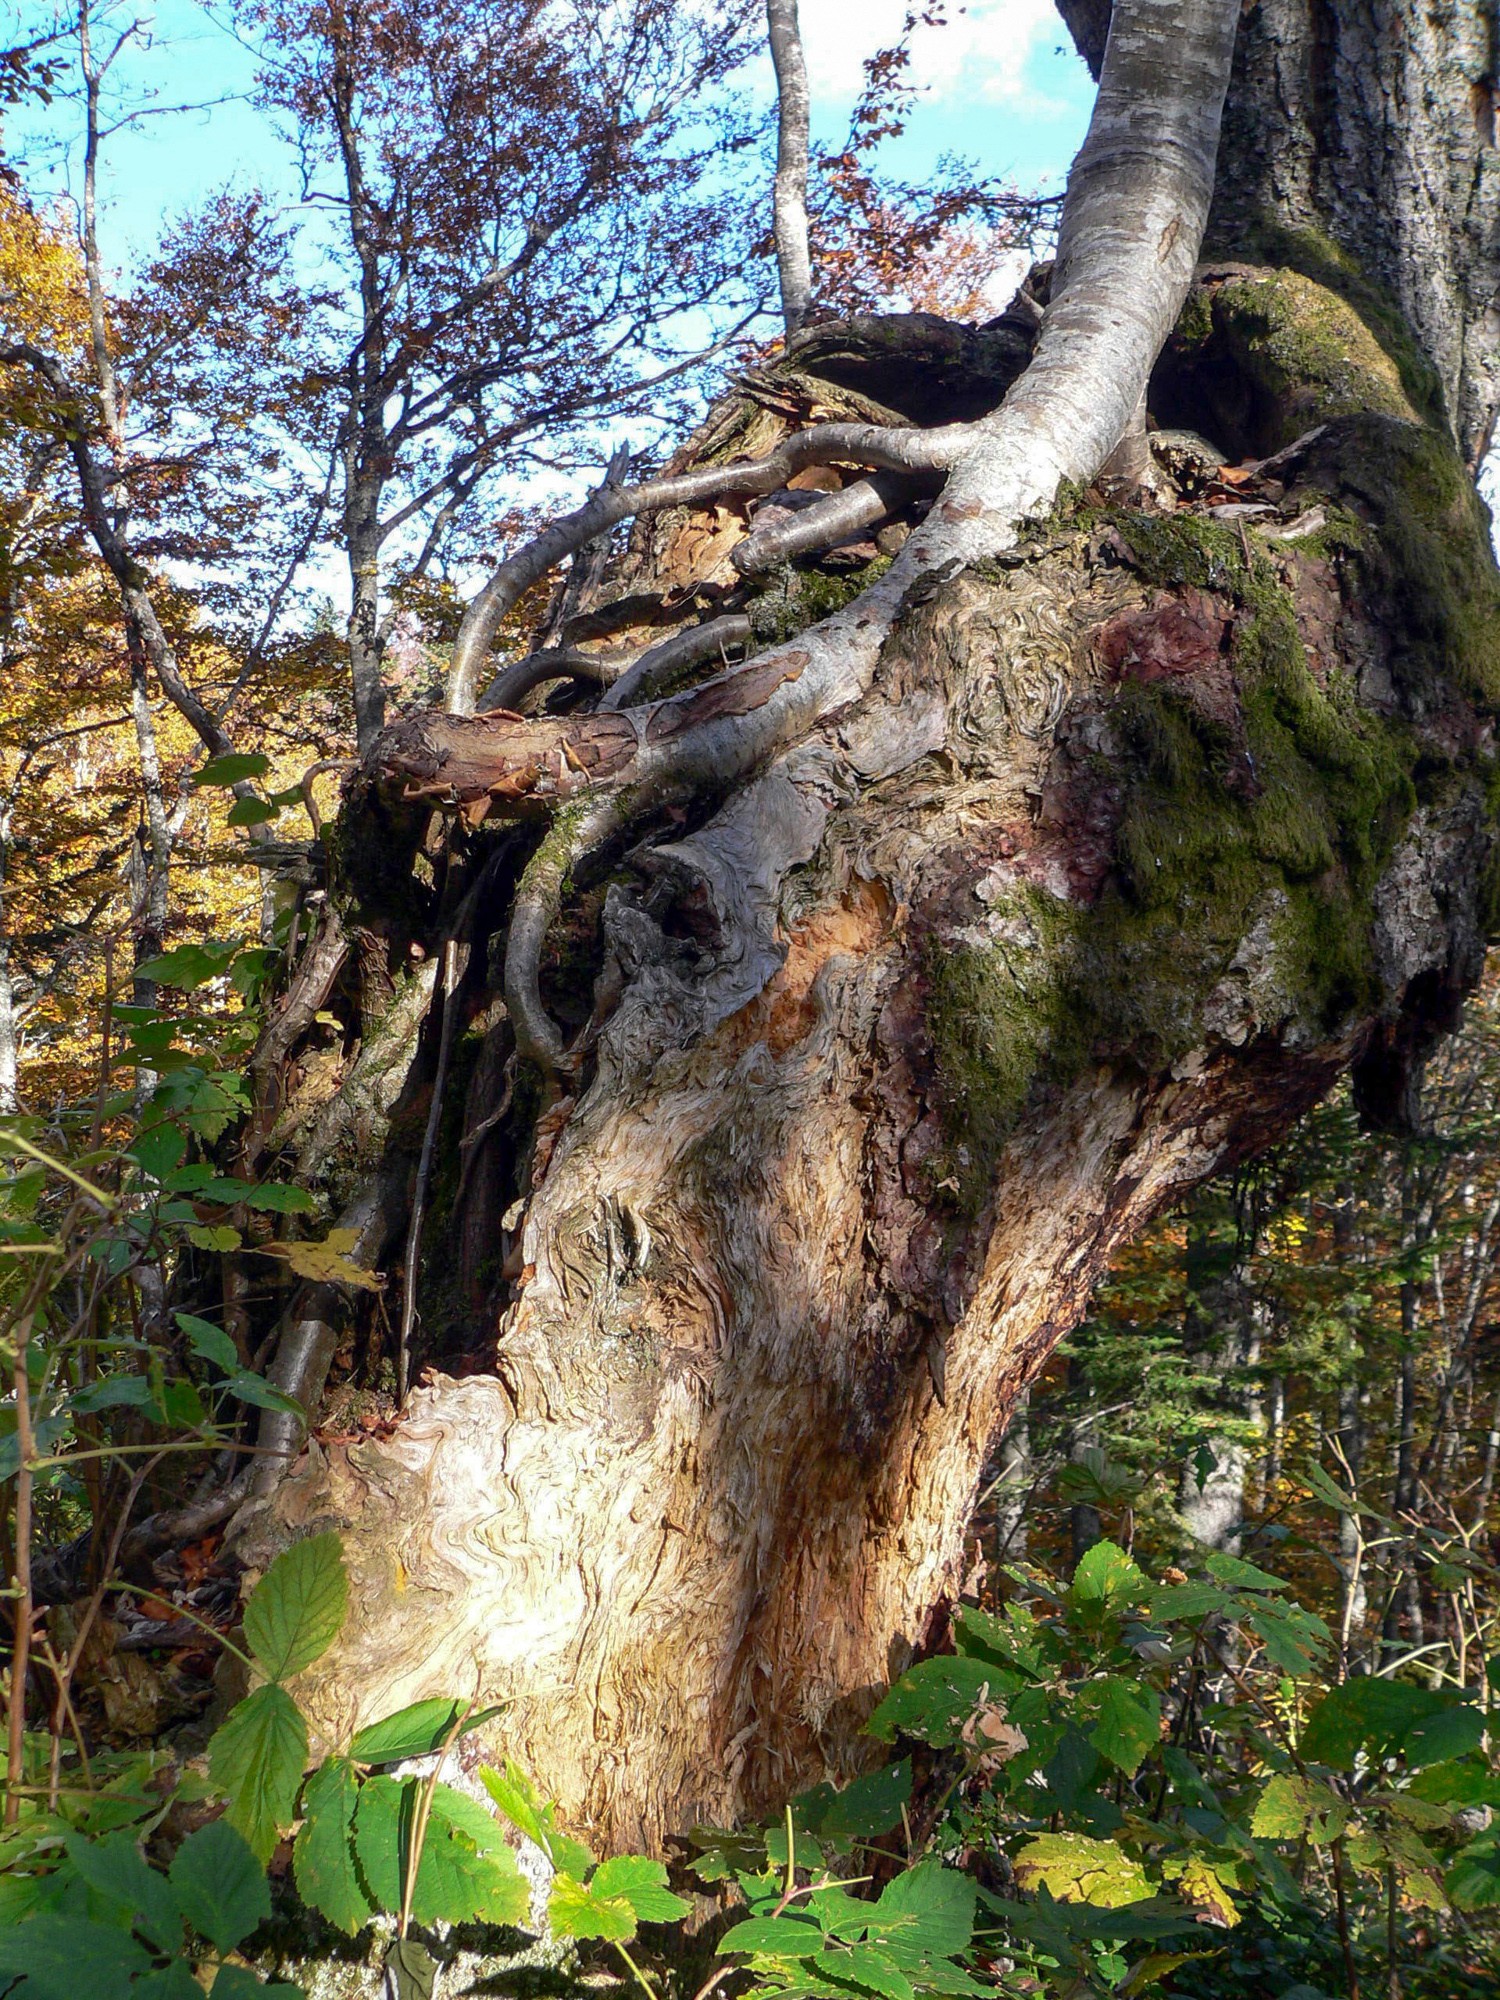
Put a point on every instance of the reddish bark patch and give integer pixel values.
(1167, 638)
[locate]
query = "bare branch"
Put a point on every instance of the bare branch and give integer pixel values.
(892, 449)
(837, 517)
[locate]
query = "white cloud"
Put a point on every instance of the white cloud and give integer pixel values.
(981, 53)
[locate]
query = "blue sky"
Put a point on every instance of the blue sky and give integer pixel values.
(1001, 87)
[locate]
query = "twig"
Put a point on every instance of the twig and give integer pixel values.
(446, 985)
(15, 1766)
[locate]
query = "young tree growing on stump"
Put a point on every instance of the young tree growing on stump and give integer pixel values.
(806, 1031)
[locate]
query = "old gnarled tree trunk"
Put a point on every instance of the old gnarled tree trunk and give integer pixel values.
(815, 1034)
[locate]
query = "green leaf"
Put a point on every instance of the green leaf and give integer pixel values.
(1106, 1583)
(1453, 1732)
(773, 1937)
(1237, 1574)
(869, 1807)
(1291, 1806)
(412, 1968)
(256, 1757)
(466, 1870)
(187, 966)
(643, 1884)
(868, 1966)
(935, 1699)
(65, 1957)
(575, 1910)
(172, 1982)
(378, 1836)
(251, 812)
(1076, 1869)
(929, 1909)
(114, 1867)
(295, 1611)
(231, 769)
(1473, 1881)
(1384, 1718)
(113, 1392)
(323, 1857)
(159, 1148)
(1128, 1721)
(516, 1796)
(208, 1342)
(275, 1197)
(251, 1388)
(238, 1982)
(415, 1732)
(220, 1884)
(220, 1239)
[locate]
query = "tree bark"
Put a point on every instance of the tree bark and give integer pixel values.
(1066, 863)
(793, 262)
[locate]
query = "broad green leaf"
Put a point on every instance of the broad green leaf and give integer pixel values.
(1293, 1638)
(114, 1867)
(220, 1238)
(1452, 1732)
(275, 1197)
(1076, 1869)
(113, 1392)
(1291, 1806)
(233, 768)
(220, 1884)
(1238, 1574)
(295, 1611)
(257, 1757)
(187, 966)
(1385, 1717)
(415, 1732)
(1106, 1584)
(456, 1880)
(172, 1982)
(868, 1966)
(773, 1937)
(576, 1910)
(251, 812)
(870, 1806)
(643, 1884)
(1473, 1880)
(209, 1342)
(159, 1148)
(723, 1853)
(516, 1796)
(1127, 1721)
(238, 1982)
(66, 1957)
(1187, 1603)
(935, 1699)
(323, 1857)
(929, 1909)
(379, 1838)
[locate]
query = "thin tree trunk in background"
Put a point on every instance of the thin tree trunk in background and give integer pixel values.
(793, 260)
(1014, 1471)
